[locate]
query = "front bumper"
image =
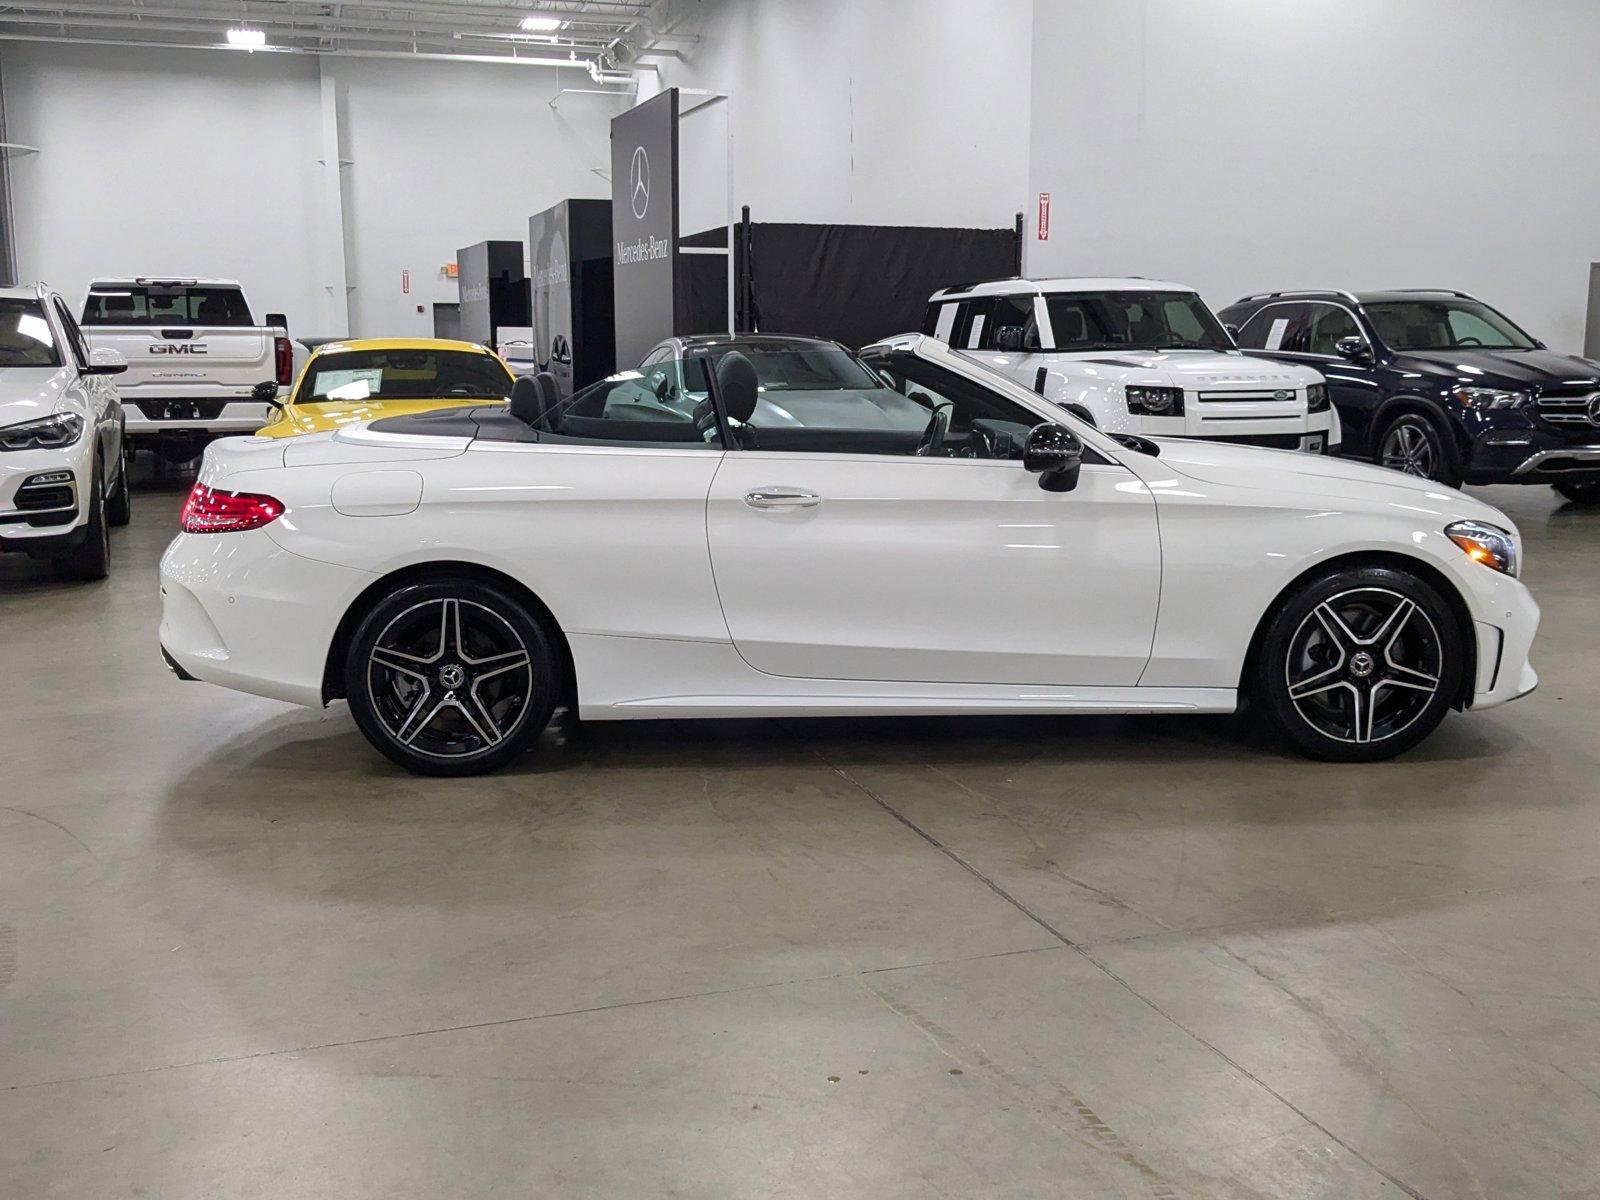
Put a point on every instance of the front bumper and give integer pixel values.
(42, 494)
(1246, 425)
(1530, 456)
(1505, 618)
(240, 611)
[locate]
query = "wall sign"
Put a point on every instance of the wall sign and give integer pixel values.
(1044, 216)
(644, 224)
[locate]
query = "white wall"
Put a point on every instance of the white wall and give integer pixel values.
(207, 163)
(164, 162)
(895, 112)
(1245, 145)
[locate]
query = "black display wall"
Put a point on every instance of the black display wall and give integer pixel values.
(574, 332)
(852, 283)
(494, 289)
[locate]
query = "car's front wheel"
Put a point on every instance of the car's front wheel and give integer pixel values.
(1415, 444)
(1580, 491)
(1360, 663)
(451, 676)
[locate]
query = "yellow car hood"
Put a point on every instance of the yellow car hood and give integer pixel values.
(295, 419)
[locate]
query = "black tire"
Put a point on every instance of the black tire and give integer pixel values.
(418, 660)
(1359, 664)
(1414, 443)
(119, 505)
(1580, 491)
(91, 558)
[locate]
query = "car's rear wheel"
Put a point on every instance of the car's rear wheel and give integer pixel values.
(451, 677)
(90, 558)
(1360, 664)
(1415, 444)
(1580, 491)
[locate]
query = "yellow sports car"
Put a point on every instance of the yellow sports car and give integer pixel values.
(362, 380)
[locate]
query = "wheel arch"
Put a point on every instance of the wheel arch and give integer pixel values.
(1410, 402)
(344, 633)
(1378, 558)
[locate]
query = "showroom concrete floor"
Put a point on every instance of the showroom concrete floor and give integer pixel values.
(241, 955)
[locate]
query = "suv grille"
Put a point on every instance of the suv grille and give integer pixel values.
(1281, 395)
(1571, 410)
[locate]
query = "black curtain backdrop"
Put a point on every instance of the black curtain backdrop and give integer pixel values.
(852, 283)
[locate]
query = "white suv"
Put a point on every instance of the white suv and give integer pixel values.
(62, 477)
(1135, 356)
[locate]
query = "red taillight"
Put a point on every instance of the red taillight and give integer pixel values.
(283, 354)
(211, 511)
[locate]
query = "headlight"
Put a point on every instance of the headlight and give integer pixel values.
(1155, 401)
(1489, 397)
(1317, 398)
(47, 433)
(1488, 544)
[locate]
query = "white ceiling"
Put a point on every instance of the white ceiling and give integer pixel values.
(604, 33)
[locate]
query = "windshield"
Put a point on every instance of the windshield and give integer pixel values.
(25, 339)
(1134, 321)
(164, 304)
(802, 367)
(1444, 325)
(356, 375)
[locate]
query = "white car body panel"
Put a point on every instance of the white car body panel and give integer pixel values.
(1225, 395)
(916, 585)
(31, 393)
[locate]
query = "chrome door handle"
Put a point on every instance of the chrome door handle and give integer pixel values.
(781, 497)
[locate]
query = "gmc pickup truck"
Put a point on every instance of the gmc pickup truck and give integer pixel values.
(195, 355)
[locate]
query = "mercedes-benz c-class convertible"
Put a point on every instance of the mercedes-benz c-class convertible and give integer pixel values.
(758, 525)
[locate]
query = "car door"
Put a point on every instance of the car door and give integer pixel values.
(840, 552)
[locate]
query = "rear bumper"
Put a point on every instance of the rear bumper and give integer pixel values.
(193, 417)
(240, 611)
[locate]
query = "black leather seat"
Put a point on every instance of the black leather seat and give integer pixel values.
(534, 398)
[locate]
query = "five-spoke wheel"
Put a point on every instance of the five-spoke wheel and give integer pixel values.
(1360, 663)
(450, 677)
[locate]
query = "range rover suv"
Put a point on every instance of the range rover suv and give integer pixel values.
(1438, 384)
(1134, 356)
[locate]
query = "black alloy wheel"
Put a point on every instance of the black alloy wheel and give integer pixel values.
(451, 677)
(1414, 445)
(1361, 664)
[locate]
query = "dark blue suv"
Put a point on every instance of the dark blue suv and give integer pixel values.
(1438, 384)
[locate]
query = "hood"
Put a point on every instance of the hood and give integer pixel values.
(296, 419)
(28, 393)
(1521, 369)
(1198, 368)
(1319, 481)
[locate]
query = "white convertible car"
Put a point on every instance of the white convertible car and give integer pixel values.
(757, 526)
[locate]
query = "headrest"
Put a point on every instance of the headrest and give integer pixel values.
(549, 390)
(736, 386)
(527, 400)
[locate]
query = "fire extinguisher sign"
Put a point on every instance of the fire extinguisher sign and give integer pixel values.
(405, 283)
(1044, 216)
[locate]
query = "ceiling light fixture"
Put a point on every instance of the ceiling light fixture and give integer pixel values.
(541, 24)
(250, 39)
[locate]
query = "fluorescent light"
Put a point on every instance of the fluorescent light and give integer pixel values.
(540, 24)
(248, 38)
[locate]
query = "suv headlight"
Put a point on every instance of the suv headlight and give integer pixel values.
(1317, 397)
(1155, 401)
(47, 433)
(1476, 397)
(1487, 544)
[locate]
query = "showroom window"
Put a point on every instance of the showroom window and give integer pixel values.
(1277, 327)
(1329, 323)
(666, 404)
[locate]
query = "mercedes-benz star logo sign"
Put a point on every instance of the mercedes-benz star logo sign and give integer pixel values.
(1594, 409)
(639, 182)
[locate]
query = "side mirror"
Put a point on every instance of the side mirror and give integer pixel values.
(106, 361)
(1232, 331)
(1009, 337)
(266, 392)
(1353, 348)
(1055, 455)
(278, 321)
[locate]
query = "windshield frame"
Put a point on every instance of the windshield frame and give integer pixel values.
(1467, 304)
(1217, 339)
(320, 361)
